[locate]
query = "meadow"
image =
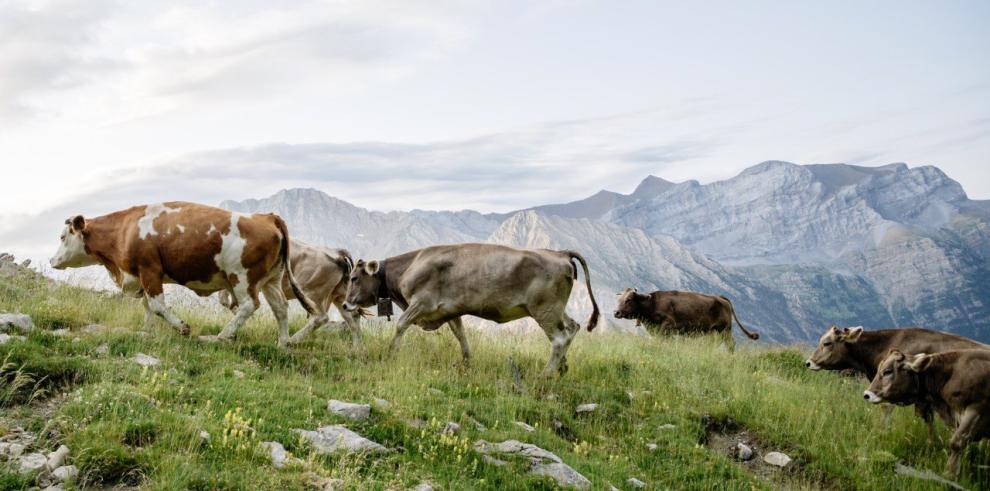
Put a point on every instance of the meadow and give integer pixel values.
(669, 409)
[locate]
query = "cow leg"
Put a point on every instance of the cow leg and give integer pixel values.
(457, 327)
(924, 411)
(149, 315)
(247, 303)
(280, 308)
(964, 433)
(888, 414)
(352, 321)
(730, 342)
(315, 321)
(405, 320)
(154, 296)
(560, 338)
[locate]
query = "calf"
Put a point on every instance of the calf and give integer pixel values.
(322, 275)
(439, 284)
(856, 349)
(681, 312)
(203, 248)
(956, 383)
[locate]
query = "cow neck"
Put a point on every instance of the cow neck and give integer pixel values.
(100, 239)
(929, 384)
(384, 292)
(390, 270)
(868, 351)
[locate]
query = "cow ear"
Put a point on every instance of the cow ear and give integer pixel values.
(852, 334)
(76, 223)
(920, 363)
(371, 268)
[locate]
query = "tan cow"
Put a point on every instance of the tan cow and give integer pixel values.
(684, 312)
(956, 383)
(439, 284)
(203, 248)
(322, 274)
(860, 350)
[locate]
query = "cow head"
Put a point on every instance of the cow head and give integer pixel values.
(630, 304)
(363, 285)
(832, 352)
(72, 249)
(896, 378)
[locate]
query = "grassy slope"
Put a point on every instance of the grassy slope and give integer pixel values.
(126, 424)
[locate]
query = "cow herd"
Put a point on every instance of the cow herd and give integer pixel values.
(210, 250)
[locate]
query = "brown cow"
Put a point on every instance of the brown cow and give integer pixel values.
(862, 351)
(956, 382)
(322, 274)
(681, 312)
(439, 284)
(203, 248)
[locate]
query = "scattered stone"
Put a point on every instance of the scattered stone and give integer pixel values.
(26, 263)
(4, 338)
(423, 486)
(586, 408)
(238, 374)
(61, 333)
(525, 426)
(93, 329)
(776, 458)
(280, 458)
(493, 461)
(57, 458)
(207, 338)
(630, 394)
(334, 438)
(146, 360)
(11, 449)
(541, 462)
(477, 424)
(32, 462)
(349, 410)
(436, 392)
(904, 470)
(65, 473)
(743, 452)
(451, 428)
(102, 350)
(668, 426)
(635, 483)
(416, 423)
(16, 322)
(381, 404)
(204, 435)
(54, 487)
(651, 446)
(315, 481)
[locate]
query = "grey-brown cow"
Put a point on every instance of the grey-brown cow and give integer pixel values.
(681, 312)
(956, 383)
(860, 350)
(322, 276)
(439, 284)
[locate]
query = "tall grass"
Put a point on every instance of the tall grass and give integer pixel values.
(131, 425)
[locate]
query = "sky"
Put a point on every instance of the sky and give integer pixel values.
(488, 105)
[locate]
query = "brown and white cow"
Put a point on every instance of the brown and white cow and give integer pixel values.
(860, 350)
(439, 284)
(322, 275)
(203, 248)
(956, 383)
(681, 312)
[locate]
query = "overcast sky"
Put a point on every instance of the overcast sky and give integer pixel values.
(485, 105)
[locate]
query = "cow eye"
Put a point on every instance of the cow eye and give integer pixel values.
(827, 343)
(887, 372)
(353, 279)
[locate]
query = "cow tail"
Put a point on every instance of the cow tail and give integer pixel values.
(752, 335)
(593, 320)
(303, 299)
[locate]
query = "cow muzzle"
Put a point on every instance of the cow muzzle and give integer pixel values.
(350, 307)
(872, 397)
(812, 365)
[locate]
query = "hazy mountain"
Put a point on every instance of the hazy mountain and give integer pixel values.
(795, 247)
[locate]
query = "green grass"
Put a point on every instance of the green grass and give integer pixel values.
(130, 425)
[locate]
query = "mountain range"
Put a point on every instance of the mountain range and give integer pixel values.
(796, 247)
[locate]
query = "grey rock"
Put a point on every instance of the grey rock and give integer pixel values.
(94, 329)
(61, 333)
(493, 461)
(423, 486)
(635, 483)
(563, 474)
(478, 425)
(102, 350)
(238, 373)
(436, 392)
(776, 458)
(31, 462)
(349, 410)
(317, 482)
(451, 428)
(21, 323)
(335, 438)
(57, 458)
(743, 452)
(381, 404)
(525, 426)
(280, 458)
(667, 427)
(65, 473)
(146, 360)
(586, 408)
(11, 449)
(541, 462)
(54, 487)
(6, 338)
(651, 446)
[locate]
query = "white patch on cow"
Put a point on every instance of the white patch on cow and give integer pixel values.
(181, 227)
(812, 365)
(212, 229)
(229, 257)
(129, 284)
(872, 397)
(157, 305)
(146, 224)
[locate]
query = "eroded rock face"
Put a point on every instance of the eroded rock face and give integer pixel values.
(336, 438)
(540, 462)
